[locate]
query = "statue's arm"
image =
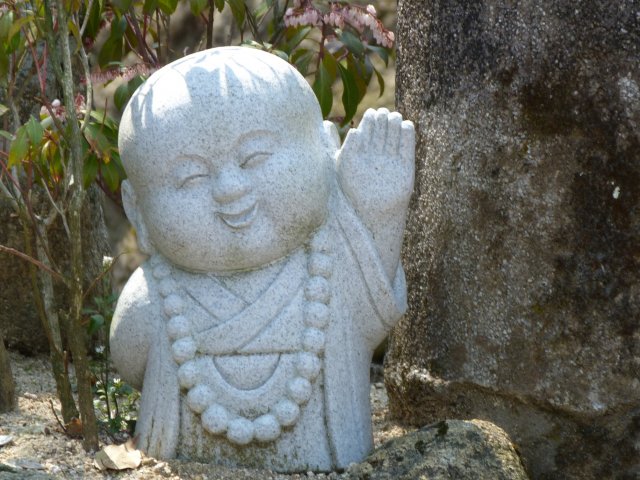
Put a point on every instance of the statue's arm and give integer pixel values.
(376, 172)
(132, 329)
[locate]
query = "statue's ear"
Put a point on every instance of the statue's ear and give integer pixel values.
(331, 138)
(132, 209)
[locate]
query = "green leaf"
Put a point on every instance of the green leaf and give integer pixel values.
(280, 54)
(168, 6)
(90, 170)
(19, 147)
(301, 59)
(95, 323)
(15, 44)
(219, 5)
(103, 119)
(118, 27)
(4, 67)
(7, 135)
(111, 51)
(93, 24)
(238, 10)
(197, 6)
(353, 43)
(382, 52)
(122, 5)
(331, 64)
(358, 71)
(97, 139)
(149, 6)
(261, 10)
(298, 37)
(6, 20)
(34, 131)
(322, 89)
(380, 82)
(350, 94)
(3, 109)
(121, 96)
(17, 25)
(111, 175)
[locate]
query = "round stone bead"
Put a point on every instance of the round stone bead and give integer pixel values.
(178, 327)
(313, 340)
(173, 305)
(188, 375)
(267, 428)
(199, 398)
(308, 365)
(287, 412)
(161, 271)
(320, 264)
(320, 242)
(167, 286)
(184, 349)
(316, 315)
(215, 419)
(317, 290)
(299, 390)
(240, 431)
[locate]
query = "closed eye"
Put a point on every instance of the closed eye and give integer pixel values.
(254, 159)
(191, 179)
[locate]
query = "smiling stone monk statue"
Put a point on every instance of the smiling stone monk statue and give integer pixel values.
(274, 265)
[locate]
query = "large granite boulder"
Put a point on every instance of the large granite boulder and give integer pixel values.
(522, 253)
(458, 449)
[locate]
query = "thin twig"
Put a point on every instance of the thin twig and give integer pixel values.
(56, 208)
(252, 25)
(210, 25)
(37, 263)
(99, 277)
(85, 22)
(64, 429)
(89, 96)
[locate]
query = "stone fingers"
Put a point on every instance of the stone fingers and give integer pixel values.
(379, 138)
(407, 142)
(394, 132)
(367, 126)
(351, 146)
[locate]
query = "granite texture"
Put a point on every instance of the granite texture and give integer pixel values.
(19, 320)
(450, 449)
(522, 249)
(274, 265)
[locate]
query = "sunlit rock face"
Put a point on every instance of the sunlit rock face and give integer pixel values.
(522, 248)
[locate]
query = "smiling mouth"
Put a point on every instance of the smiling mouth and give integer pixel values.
(240, 220)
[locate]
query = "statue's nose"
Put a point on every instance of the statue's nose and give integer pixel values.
(231, 184)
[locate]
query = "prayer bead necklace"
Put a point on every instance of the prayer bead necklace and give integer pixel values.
(218, 419)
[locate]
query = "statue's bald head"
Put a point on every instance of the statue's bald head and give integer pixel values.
(205, 92)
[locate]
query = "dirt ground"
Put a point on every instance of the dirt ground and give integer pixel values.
(39, 448)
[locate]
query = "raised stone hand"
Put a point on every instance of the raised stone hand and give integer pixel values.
(376, 171)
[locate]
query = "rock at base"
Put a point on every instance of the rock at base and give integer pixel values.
(460, 449)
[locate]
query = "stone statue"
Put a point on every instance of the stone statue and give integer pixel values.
(275, 264)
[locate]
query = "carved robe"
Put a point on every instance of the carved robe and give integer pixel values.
(247, 345)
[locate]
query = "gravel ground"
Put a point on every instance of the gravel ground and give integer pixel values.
(41, 450)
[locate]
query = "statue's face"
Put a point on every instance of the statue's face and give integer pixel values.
(236, 197)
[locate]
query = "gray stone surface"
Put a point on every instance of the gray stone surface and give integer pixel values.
(522, 254)
(275, 264)
(450, 449)
(19, 319)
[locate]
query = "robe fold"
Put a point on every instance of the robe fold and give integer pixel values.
(334, 428)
